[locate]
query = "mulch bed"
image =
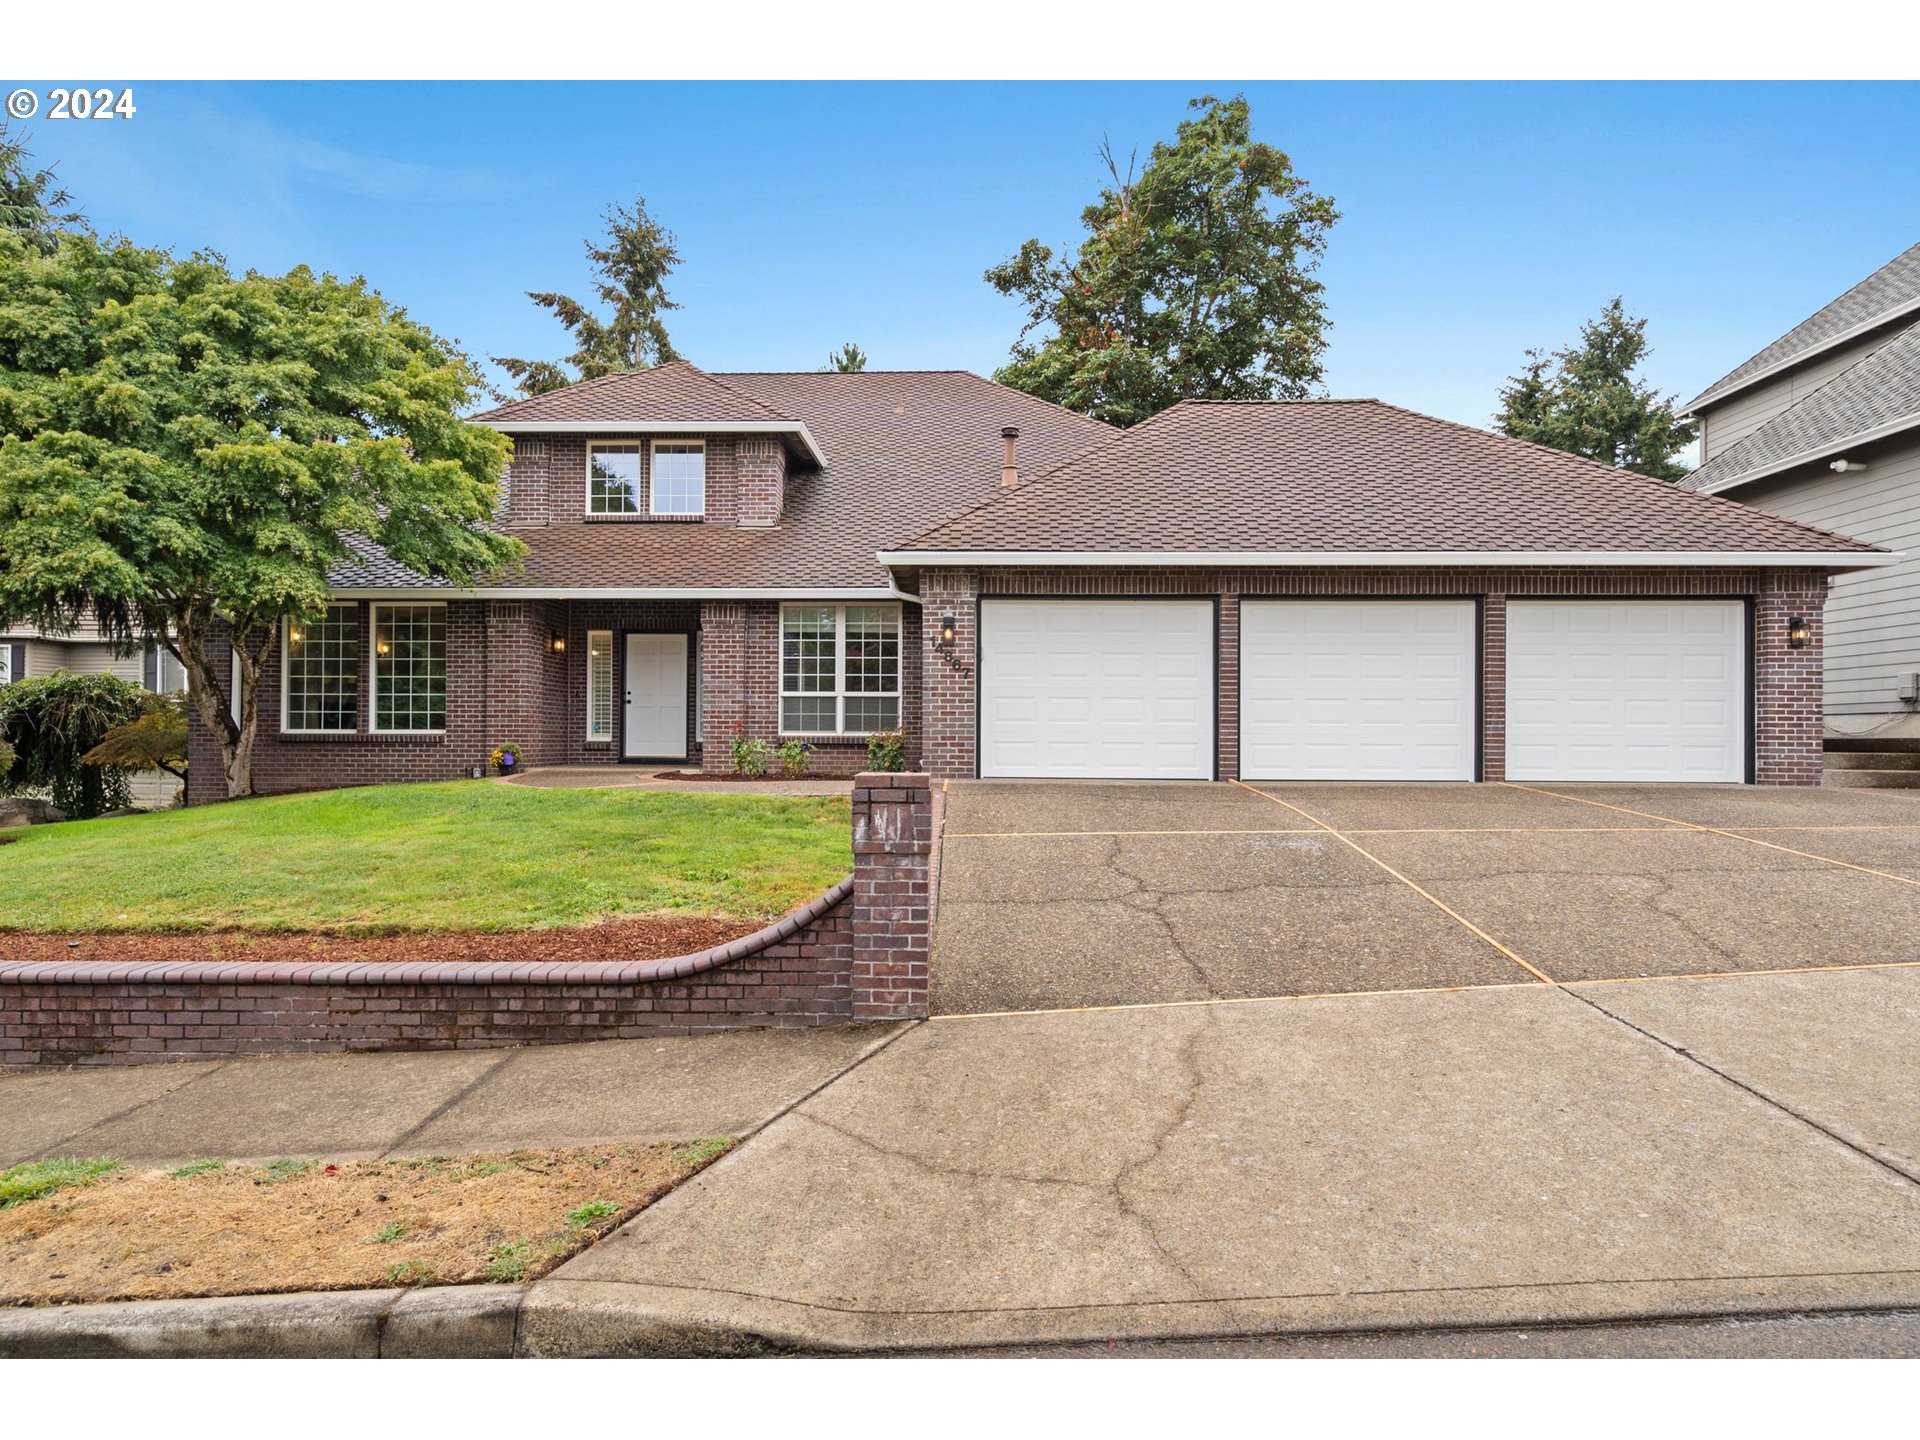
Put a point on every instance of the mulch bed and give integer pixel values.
(643, 937)
(218, 1229)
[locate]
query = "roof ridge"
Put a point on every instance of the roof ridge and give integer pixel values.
(745, 395)
(1750, 440)
(1878, 317)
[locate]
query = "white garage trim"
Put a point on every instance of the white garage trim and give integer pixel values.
(1360, 689)
(1629, 690)
(1098, 688)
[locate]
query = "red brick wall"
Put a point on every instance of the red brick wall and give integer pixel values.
(1787, 683)
(761, 465)
(547, 481)
(858, 953)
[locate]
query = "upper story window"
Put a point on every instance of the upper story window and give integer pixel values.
(679, 478)
(319, 672)
(613, 479)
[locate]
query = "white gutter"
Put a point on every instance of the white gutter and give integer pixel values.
(1799, 357)
(629, 592)
(659, 427)
(1691, 559)
(1826, 447)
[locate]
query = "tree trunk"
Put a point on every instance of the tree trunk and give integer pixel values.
(208, 691)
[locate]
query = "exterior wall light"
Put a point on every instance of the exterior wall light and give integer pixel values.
(556, 644)
(1798, 633)
(949, 632)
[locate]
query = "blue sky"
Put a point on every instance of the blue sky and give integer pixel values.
(1479, 219)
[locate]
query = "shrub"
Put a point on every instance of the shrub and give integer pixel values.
(750, 757)
(795, 756)
(52, 721)
(887, 750)
(6, 759)
(156, 740)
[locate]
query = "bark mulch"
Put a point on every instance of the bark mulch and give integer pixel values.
(303, 1224)
(642, 937)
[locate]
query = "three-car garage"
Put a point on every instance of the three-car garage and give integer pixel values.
(1351, 688)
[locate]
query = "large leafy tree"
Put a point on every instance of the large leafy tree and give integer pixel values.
(33, 204)
(1194, 281)
(1589, 399)
(182, 447)
(631, 265)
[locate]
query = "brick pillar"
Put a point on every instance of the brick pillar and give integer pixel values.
(1228, 720)
(527, 475)
(723, 671)
(519, 674)
(1789, 719)
(948, 725)
(892, 895)
(1493, 688)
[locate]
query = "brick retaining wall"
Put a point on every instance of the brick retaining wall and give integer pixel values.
(857, 953)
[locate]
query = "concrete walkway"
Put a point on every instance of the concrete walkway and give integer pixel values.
(352, 1107)
(1498, 1156)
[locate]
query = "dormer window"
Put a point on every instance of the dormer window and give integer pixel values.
(613, 479)
(679, 478)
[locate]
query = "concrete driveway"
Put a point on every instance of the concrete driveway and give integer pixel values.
(1061, 895)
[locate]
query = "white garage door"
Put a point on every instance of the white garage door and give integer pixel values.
(1357, 689)
(1626, 690)
(1114, 689)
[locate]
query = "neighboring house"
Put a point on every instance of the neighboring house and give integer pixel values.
(1336, 589)
(1824, 426)
(26, 651)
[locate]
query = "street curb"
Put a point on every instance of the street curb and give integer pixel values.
(449, 1321)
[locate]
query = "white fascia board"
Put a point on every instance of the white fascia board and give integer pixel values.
(629, 592)
(1693, 559)
(659, 427)
(1824, 449)
(1800, 357)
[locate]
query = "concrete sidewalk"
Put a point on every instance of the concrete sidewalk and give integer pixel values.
(353, 1107)
(1500, 1156)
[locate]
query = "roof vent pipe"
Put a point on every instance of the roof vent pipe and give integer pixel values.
(1009, 472)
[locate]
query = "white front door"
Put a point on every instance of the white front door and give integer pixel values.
(1357, 689)
(1109, 689)
(656, 698)
(1627, 690)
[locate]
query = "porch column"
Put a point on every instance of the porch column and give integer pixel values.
(723, 676)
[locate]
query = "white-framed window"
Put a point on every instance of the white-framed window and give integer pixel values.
(410, 667)
(319, 672)
(678, 484)
(161, 673)
(839, 669)
(233, 683)
(599, 686)
(613, 479)
(7, 648)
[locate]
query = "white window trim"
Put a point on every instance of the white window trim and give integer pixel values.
(639, 481)
(373, 665)
(612, 724)
(839, 691)
(653, 490)
(286, 644)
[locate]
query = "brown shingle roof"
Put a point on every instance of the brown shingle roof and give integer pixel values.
(1350, 476)
(903, 449)
(675, 393)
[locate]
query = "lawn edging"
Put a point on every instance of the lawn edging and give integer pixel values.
(858, 952)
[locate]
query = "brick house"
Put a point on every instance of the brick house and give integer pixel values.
(1317, 589)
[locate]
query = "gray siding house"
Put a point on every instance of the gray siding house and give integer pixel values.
(26, 651)
(1823, 426)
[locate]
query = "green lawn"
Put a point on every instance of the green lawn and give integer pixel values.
(461, 856)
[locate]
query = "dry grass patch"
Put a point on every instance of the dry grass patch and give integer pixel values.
(301, 1224)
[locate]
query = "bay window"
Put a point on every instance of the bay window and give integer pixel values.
(839, 669)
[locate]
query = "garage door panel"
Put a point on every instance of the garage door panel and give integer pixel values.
(1360, 690)
(1110, 689)
(1626, 690)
